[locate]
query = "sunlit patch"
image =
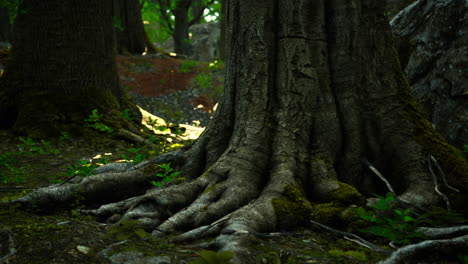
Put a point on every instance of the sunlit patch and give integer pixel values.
(146, 22)
(172, 54)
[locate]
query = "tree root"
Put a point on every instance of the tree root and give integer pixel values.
(415, 251)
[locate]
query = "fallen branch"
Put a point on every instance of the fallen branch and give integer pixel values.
(362, 242)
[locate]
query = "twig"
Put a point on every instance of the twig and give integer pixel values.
(361, 240)
(444, 179)
(401, 201)
(372, 168)
(436, 183)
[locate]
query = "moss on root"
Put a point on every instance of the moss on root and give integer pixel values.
(292, 209)
(340, 211)
(345, 193)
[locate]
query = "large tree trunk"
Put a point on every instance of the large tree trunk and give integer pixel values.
(128, 27)
(62, 68)
(312, 89)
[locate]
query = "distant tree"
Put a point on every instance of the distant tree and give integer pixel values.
(128, 27)
(8, 10)
(177, 16)
(5, 26)
(62, 67)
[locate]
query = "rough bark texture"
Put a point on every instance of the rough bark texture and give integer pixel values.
(6, 28)
(128, 27)
(431, 41)
(312, 88)
(62, 67)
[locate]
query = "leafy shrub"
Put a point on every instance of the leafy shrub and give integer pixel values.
(94, 120)
(391, 223)
(167, 176)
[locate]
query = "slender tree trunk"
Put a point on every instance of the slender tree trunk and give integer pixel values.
(6, 29)
(181, 29)
(128, 27)
(62, 68)
(313, 90)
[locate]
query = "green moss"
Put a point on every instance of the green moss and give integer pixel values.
(211, 188)
(345, 193)
(292, 209)
(29, 233)
(357, 255)
(328, 213)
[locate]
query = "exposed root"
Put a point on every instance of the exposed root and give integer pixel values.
(415, 251)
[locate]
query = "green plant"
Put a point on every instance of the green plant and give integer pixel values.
(13, 174)
(138, 156)
(463, 259)
(188, 65)
(203, 81)
(391, 223)
(30, 147)
(167, 175)
(64, 136)
(94, 120)
(10, 173)
(126, 114)
(117, 23)
(213, 257)
(81, 168)
(465, 151)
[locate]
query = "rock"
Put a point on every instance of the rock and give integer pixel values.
(205, 39)
(431, 40)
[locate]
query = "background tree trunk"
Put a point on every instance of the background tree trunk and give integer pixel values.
(6, 29)
(128, 27)
(62, 67)
(181, 28)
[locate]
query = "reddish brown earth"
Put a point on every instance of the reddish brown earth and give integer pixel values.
(150, 76)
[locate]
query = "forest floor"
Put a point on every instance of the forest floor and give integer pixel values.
(67, 237)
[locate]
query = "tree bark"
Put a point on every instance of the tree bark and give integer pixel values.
(128, 27)
(62, 68)
(181, 28)
(312, 89)
(6, 28)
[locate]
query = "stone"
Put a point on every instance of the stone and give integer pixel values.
(431, 38)
(204, 39)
